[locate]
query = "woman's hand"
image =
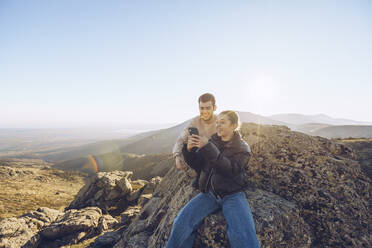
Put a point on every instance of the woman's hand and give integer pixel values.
(197, 141)
(192, 141)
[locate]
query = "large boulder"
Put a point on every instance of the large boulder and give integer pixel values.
(107, 190)
(304, 192)
(24, 231)
(74, 226)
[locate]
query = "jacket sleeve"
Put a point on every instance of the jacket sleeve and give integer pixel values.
(193, 159)
(227, 166)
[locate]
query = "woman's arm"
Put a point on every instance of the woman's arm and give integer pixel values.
(193, 159)
(229, 166)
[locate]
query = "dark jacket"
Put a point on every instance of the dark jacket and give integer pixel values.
(221, 164)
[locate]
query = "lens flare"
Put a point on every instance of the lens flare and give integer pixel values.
(92, 164)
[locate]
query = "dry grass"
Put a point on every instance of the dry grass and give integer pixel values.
(30, 188)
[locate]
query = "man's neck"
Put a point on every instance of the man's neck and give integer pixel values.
(211, 120)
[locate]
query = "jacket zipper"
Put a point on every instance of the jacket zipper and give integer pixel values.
(214, 191)
(209, 177)
(212, 187)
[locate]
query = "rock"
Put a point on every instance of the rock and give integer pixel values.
(106, 240)
(134, 195)
(108, 179)
(128, 215)
(73, 222)
(75, 226)
(110, 222)
(143, 199)
(137, 184)
(124, 185)
(106, 190)
(150, 187)
(304, 192)
(23, 231)
(114, 194)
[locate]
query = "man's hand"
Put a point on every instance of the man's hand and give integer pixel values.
(179, 163)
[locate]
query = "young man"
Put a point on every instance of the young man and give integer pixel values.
(205, 123)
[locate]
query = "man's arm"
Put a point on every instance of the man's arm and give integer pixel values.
(177, 148)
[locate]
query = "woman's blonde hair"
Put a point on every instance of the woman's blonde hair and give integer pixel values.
(233, 117)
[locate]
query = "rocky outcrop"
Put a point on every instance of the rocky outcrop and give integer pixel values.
(278, 221)
(304, 192)
(48, 228)
(82, 221)
(113, 192)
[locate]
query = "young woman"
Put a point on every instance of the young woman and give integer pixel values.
(221, 161)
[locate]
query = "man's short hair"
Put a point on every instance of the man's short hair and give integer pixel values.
(207, 97)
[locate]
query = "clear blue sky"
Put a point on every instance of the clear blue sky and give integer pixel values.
(148, 61)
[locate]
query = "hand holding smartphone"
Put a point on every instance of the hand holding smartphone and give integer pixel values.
(193, 130)
(192, 142)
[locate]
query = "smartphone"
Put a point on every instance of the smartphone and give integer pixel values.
(193, 130)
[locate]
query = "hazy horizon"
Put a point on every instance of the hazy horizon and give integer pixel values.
(140, 127)
(74, 63)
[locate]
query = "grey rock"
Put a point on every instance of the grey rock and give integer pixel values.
(129, 214)
(24, 231)
(72, 222)
(124, 185)
(143, 199)
(106, 190)
(150, 187)
(139, 183)
(134, 195)
(106, 240)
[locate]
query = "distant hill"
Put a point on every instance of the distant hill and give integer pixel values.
(161, 141)
(74, 152)
(247, 117)
(344, 132)
(299, 119)
(142, 166)
(309, 128)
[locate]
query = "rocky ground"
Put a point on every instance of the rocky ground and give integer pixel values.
(304, 192)
(106, 204)
(27, 184)
(363, 153)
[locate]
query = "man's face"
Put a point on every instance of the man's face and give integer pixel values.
(206, 110)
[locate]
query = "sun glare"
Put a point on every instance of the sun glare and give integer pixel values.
(263, 88)
(262, 92)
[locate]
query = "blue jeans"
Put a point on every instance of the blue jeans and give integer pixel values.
(239, 220)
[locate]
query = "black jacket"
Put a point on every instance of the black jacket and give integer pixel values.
(221, 164)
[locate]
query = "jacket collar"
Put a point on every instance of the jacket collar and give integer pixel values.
(234, 142)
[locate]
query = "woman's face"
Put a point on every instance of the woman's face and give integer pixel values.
(224, 126)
